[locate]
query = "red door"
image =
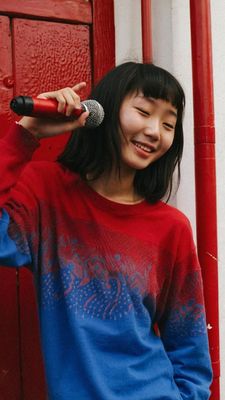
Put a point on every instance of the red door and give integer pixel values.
(45, 45)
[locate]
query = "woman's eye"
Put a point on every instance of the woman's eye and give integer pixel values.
(143, 111)
(169, 126)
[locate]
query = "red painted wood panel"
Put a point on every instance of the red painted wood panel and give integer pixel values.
(10, 387)
(103, 38)
(6, 74)
(32, 369)
(10, 382)
(49, 56)
(75, 11)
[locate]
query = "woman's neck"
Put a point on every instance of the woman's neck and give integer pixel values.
(115, 188)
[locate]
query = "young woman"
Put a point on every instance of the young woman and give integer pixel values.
(115, 268)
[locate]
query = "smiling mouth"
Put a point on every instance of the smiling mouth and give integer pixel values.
(143, 147)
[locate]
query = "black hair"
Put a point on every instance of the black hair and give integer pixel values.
(94, 151)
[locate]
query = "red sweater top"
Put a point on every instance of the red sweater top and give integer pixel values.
(105, 274)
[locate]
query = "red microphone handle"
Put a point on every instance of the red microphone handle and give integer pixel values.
(36, 107)
(49, 107)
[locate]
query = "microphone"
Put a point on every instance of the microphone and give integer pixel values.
(35, 107)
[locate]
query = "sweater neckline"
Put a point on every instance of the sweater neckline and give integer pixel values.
(107, 204)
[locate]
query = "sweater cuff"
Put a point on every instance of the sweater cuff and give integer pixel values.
(21, 140)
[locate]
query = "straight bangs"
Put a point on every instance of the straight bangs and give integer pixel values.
(157, 83)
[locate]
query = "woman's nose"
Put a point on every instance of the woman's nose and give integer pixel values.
(152, 129)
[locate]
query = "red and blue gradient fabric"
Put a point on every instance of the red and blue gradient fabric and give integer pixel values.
(106, 274)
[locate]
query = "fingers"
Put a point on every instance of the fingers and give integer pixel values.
(72, 100)
(67, 98)
(79, 86)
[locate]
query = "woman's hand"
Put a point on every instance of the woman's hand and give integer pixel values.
(68, 100)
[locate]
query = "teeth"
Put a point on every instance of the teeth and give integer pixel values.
(143, 147)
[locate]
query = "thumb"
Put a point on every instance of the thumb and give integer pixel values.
(82, 119)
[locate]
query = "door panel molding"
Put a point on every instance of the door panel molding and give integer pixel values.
(74, 11)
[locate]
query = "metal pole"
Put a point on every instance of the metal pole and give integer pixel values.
(146, 30)
(205, 172)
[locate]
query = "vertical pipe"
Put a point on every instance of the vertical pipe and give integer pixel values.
(205, 172)
(146, 30)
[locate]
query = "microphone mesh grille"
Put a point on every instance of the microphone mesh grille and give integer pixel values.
(96, 113)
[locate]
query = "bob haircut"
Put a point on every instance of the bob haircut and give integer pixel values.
(94, 151)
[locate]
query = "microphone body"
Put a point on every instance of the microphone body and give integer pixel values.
(47, 108)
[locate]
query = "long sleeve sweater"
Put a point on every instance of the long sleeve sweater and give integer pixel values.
(106, 274)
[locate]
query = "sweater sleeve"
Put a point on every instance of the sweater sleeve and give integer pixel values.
(183, 324)
(17, 147)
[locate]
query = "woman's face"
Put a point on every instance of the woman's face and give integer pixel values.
(147, 128)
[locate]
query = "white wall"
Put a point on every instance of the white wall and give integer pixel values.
(168, 19)
(172, 50)
(128, 30)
